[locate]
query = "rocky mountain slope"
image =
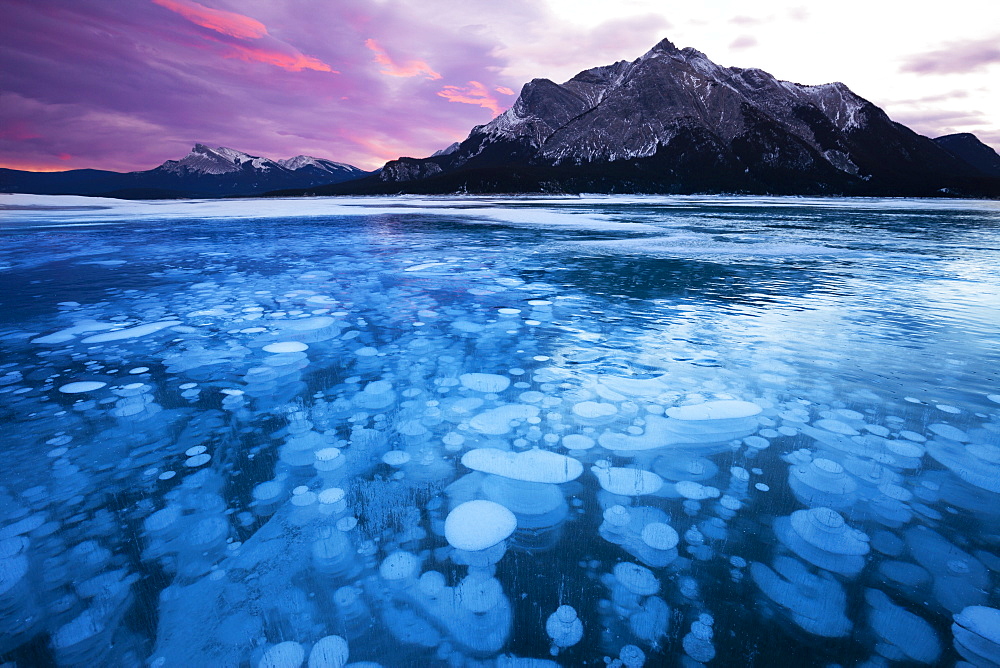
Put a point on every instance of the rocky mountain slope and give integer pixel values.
(673, 121)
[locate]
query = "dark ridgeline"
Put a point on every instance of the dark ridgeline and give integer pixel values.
(675, 122)
(204, 172)
(966, 146)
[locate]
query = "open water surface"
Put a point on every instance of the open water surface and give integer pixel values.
(404, 432)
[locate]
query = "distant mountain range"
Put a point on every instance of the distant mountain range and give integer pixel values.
(673, 121)
(204, 172)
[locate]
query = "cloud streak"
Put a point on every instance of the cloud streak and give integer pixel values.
(956, 58)
(472, 93)
(223, 22)
(255, 45)
(409, 68)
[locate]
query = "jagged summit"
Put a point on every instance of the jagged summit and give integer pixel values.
(205, 159)
(675, 121)
(303, 161)
(663, 46)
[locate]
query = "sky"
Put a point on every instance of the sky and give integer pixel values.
(127, 84)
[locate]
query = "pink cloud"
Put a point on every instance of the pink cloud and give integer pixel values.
(503, 90)
(292, 61)
(474, 93)
(409, 68)
(226, 23)
(956, 58)
(230, 24)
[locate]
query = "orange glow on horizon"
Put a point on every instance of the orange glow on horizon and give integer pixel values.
(226, 23)
(28, 166)
(410, 68)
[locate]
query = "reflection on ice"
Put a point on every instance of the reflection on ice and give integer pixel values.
(395, 437)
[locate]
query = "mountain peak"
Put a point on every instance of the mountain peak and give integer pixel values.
(316, 164)
(205, 159)
(663, 46)
(674, 121)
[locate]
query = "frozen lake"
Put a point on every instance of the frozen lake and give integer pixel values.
(499, 432)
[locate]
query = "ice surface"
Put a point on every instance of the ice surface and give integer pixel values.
(312, 431)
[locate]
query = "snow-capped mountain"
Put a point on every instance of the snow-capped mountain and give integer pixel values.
(204, 172)
(674, 121)
(220, 160)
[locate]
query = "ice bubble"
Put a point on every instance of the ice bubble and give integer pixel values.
(821, 537)
(995, 398)
(564, 627)
(309, 330)
(376, 395)
(131, 332)
(197, 460)
(329, 652)
(331, 495)
(268, 491)
(682, 466)
(479, 593)
(636, 579)
(696, 491)
(660, 536)
(817, 603)
(949, 432)
(822, 482)
(195, 450)
(81, 386)
(715, 410)
(486, 383)
(432, 584)
(906, 632)
(477, 525)
(594, 412)
(960, 579)
(396, 457)
(977, 464)
(905, 573)
(399, 565)
(632, 657)
(532, 465)
(837, 427)
(977, 632)
(285, 347)
(496, 421)
(627, 481)
(138, 370)
(577, 442)
(288, 654)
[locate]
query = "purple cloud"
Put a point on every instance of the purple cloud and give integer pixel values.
(743, 42)
(956, 58)
(126, 85)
